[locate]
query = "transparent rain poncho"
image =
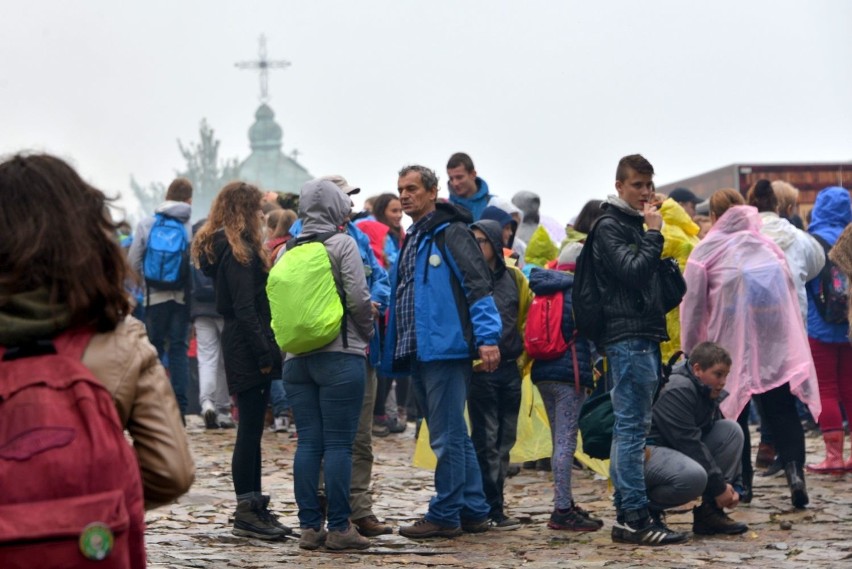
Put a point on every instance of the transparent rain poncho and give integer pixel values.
(740, 294)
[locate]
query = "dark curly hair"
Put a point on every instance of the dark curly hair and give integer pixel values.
(58, 235)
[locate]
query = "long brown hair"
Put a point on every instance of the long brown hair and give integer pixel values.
(235, 210)
(380, 206)
(58, 235)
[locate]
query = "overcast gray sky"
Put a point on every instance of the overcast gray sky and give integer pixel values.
(544, 95)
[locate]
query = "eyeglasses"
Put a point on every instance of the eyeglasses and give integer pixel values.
(482, 241)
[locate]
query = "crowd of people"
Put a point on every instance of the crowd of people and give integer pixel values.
(298, 303)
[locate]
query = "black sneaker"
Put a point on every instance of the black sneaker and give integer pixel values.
(210, 418)
(588, 516)
(646, 532)
(502, 522)
(571, 520)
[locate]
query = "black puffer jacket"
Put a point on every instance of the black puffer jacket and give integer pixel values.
(506, 294)
(626, 258)
(248, 343)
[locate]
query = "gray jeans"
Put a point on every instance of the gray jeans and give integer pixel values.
(673, 479)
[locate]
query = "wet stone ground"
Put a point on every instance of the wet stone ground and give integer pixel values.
(196, 531)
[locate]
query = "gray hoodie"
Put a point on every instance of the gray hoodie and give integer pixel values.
(323, 207)
(178, 210)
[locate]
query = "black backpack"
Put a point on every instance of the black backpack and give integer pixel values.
(831, 298)
(585, 294)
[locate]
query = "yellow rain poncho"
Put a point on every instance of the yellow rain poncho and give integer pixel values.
(681, 237)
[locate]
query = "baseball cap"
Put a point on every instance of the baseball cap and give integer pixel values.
(683, 195)
(341, 183)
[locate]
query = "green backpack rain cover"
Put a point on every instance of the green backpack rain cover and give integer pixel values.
(307, 312)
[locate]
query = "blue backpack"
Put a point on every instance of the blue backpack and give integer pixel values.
(166, 262)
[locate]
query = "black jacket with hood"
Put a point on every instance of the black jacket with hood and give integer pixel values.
(626, 259)
(248, 344)
(682, 415)
(506, 293)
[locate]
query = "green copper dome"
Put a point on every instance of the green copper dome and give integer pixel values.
(267, 166)
(265, 132)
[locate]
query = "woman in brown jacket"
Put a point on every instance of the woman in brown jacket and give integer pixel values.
(60, 269)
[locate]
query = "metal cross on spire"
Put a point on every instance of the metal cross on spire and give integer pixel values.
(264, 65)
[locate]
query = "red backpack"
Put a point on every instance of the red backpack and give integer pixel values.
(543, 333)
(71, 489)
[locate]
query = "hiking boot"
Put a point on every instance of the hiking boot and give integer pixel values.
(571, 520)
(280, 424)
(543, 465)
(476, 526)
(796, 482)
(349, 538)
(646, 532)
(709, 519)
(312, 538)
(502, 522)
(224, 421)
(273, 519)
(513, 470)
(251, 520)
(423, 528)
(370, 526)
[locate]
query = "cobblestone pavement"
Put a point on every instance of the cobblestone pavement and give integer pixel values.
(196, 531)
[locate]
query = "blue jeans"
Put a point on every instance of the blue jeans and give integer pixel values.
(168, 323)
(326, 390)
(278, 398)
(634, 365)
(441, 391)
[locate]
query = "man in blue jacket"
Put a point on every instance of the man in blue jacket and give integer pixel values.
(442, 315)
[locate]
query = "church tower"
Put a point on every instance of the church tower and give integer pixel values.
(267, 166)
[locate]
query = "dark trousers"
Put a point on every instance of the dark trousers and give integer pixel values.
(493, 403)
(245, 463)
(168, 330)
(778, 411)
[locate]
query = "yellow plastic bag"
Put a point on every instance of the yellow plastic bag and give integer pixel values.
(533, 440)
(594, 464)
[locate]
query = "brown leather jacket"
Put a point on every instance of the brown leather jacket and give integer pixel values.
(126, 362)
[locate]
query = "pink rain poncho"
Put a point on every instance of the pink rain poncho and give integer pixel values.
(740, 294)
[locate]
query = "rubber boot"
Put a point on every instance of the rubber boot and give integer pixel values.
(796, 481)
(833, 462)
(848, 464)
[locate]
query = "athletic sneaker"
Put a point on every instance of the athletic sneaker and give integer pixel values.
(571, 520)
(646, 532)
(502, 522)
